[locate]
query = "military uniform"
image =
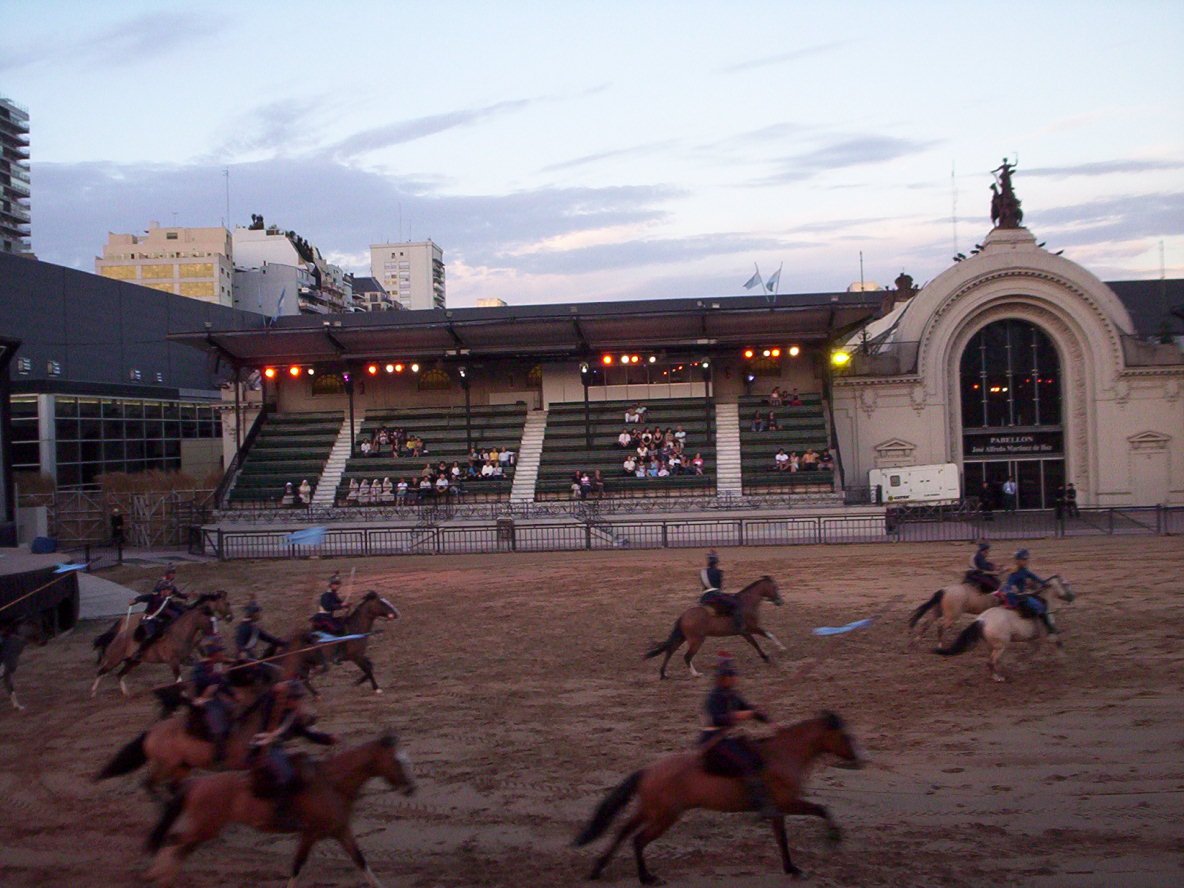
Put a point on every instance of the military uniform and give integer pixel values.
(733, 755)
(273, 773)
(213, 695)
(712, 579)
(982, 571)
(1015, 594)
(249, 634)
(330, 602)
(161, 607)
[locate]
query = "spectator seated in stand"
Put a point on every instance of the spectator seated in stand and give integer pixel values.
(775, 397)
(365, 448)
(697, 464)
(629, 466)
(289, 497)
(771, 421)
(758, 421)
(809, 460)
(351, 496)
(680, 436)
(781, 460)
(826, 462)
(794, 400)
(401, 492)
(597, 482)
(624, 439)
(387, 495)
(794, 461)
(364, 492)
(305, 493)
(425, 488)
(636, 413)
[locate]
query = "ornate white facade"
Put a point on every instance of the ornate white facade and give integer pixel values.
(1122, 429)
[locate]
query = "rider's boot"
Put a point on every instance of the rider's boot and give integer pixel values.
(759, 799)
(738, 620)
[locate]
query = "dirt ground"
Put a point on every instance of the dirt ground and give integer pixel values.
(517, 687)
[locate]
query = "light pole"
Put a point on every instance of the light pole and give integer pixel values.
(464, 384)
(586, 378)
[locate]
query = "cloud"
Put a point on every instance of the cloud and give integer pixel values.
(1105, 168)
(842, 153)
(418, 128)
(635, 151)
(782, 58)
(134, 41)
(340, 209)
(1116, 219)
(278, 127)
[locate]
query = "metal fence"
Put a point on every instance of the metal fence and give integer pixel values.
(595, 533)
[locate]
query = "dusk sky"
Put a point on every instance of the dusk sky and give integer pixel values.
(590, 151)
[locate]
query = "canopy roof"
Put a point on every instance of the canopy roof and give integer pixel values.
(542, 330)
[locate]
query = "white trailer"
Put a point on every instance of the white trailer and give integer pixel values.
(929, 485)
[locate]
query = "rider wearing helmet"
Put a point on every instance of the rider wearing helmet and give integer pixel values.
(983, 573)
(274, 775)
(712, 580)
(1015, 593)
(212, 693)
(161, 608)
(249, 633)
(734, 754)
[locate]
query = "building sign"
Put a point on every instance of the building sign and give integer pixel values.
(327, 384)
(1013, 444)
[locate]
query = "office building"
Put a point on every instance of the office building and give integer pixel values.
(193, 262)
(14, 178)
(412, 273)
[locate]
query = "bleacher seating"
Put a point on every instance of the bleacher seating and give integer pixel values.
(290, 447)
(801, 428)
(443, 432)
(565, 449)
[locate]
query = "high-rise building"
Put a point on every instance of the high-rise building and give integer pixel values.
(14, 177)
(370, 295)
(412, 273)
(193, 262)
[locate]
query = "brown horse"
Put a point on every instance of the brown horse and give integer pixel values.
(172, 648)
(699, 623)
(173, 747)
(359, 622)
(324, 806)
(678, 783)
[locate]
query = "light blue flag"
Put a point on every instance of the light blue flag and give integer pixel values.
(839, 630)
(755, 281)
(67, 568)
(326, 638)
(311, 536)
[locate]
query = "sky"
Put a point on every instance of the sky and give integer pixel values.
(571, 151)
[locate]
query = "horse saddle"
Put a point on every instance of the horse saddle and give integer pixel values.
(326, 623)
(720, 603)
(984, 583)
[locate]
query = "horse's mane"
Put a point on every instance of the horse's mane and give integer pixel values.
(206, 597)
(762, 579)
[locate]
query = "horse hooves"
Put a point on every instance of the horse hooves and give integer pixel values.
(834, 834)
(995, 676)
(653, 880)
(797, 874)
(378, 690)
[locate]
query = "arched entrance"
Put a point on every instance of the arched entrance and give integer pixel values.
(1012, 426)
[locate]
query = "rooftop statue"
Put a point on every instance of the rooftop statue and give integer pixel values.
(1005, 206)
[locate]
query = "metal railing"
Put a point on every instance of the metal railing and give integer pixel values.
(593, 532)
(230, 476)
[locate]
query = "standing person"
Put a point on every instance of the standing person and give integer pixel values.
(1059, 503)
(1071, 501)
(986, 501)
(116, 527)
(734, 754)
(1009, 494)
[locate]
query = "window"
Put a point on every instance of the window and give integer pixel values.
(1010, 376)
(170, 235)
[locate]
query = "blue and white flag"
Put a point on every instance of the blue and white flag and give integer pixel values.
(67, 568)
(328, 638)
(756, 280)
(839, 630)
(279, 306)
(774, 281)
(311, 536)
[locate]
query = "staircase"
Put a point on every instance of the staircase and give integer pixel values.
(526, 471)
(335, 465)
(728, 478)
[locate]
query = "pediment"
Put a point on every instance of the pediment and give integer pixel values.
(895, 445)
(1149, 441)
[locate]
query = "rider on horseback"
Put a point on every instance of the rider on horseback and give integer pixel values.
(734, 755)
(161, 608)
(273, 773)
(326, 618)
(712, 579)
(1015, 594)
(212, 693)
(249, 633)
(983, 573)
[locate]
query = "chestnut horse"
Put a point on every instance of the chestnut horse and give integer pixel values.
(678, 783)
(324, 806)
(359, 622)
(174, 646)
(699, 623)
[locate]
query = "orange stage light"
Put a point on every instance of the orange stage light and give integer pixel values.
(293, 371)
(390, 368)
(269, 372)
(372, 369)
(398, 368)
(776, 352)
(748, 353)
(606, 360)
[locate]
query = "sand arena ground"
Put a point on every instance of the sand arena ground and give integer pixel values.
(516, 684)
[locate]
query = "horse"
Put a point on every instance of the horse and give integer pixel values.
(1000, 626)
(13, 638)
(678, 783)
(359, 622)
(324, 805)
(173, 647)
(173, 747)
(698, 623)
(946, 605)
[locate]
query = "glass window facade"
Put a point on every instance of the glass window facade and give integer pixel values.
(644, 373)
(92, 435)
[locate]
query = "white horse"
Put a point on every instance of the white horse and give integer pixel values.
(946, 605)
(1000, 626)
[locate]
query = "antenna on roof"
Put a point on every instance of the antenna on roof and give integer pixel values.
(954, 202)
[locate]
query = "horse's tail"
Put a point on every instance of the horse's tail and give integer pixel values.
(926, 607)
(608, 809)
(168, 817)
(126, 760)
(967, 639)
(670, 644)
(101, 642)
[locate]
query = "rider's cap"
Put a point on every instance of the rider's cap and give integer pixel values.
(253, 607)
(725, 665)
(984, 545)
(335, 580)
(1021, 554)
(170, 570)
(712, 558)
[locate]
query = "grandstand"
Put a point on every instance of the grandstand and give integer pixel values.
(565, 449)
(799, 428)
(289, 447)
(445, 436)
